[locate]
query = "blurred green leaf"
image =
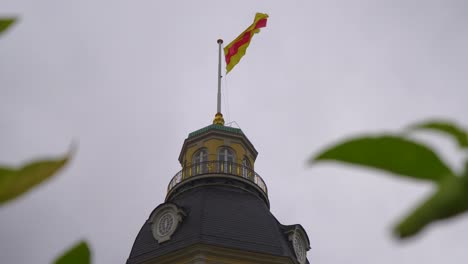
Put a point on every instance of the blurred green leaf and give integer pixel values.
(446, 127)
(450, 199)
(389, 153)
(78, 254)
(5, 23)
(465, 173)
(14, 182)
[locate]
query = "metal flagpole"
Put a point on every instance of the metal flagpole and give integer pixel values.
(219, 120)
(220, 42)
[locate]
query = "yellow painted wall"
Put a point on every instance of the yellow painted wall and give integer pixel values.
(212, 145)
(216, 255)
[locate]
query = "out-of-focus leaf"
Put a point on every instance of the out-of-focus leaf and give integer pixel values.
(5, 23)
(389, 153)
(450, 199)
(446, 127)
(78, 254)
(14, 182)
(464, 174)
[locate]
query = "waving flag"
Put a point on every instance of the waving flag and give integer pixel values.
(236, 49)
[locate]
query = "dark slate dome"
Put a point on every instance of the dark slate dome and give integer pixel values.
(222, 214)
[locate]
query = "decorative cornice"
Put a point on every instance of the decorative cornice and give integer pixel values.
(212, 254)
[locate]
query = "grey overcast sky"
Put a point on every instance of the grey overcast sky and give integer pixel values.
(129, 80)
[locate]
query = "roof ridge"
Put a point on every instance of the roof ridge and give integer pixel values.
(215, 127)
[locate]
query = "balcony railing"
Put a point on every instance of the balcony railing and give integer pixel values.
(217, 167)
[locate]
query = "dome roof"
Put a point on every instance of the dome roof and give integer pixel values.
(223, 216)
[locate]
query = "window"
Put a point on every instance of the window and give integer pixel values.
(246, 168)
(200, 162)
(200, 156)
(226, 160)
(226, 155)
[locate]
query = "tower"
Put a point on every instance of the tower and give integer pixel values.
(217, 209)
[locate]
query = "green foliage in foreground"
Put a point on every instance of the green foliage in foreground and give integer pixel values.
(404, 157)
(390, 153)
(78, 254)
(450, 129)
(5, 23)
(14, 182)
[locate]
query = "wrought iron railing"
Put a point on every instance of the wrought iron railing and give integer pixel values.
(217, 167)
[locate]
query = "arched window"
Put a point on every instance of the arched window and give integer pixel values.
(200, 162)
(226, 160)
(200, 156)
(246, 168)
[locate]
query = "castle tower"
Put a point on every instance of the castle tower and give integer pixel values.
(217, 209)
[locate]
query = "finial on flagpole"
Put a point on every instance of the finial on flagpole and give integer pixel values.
(219, 120)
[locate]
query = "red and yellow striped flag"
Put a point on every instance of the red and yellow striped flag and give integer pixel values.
(236, 49)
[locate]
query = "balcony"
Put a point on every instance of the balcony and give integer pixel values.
(220, 168)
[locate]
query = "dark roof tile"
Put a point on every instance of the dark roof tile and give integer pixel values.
(219, 216)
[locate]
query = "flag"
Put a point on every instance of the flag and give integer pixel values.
(236, 49)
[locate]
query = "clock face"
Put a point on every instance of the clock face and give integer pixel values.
(165, 224)
(299, 248)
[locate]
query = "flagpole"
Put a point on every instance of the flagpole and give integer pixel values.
(219, 120)
(220, 42)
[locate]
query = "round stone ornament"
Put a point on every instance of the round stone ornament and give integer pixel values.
(299, 248)
(165, 224)
(165, 220)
